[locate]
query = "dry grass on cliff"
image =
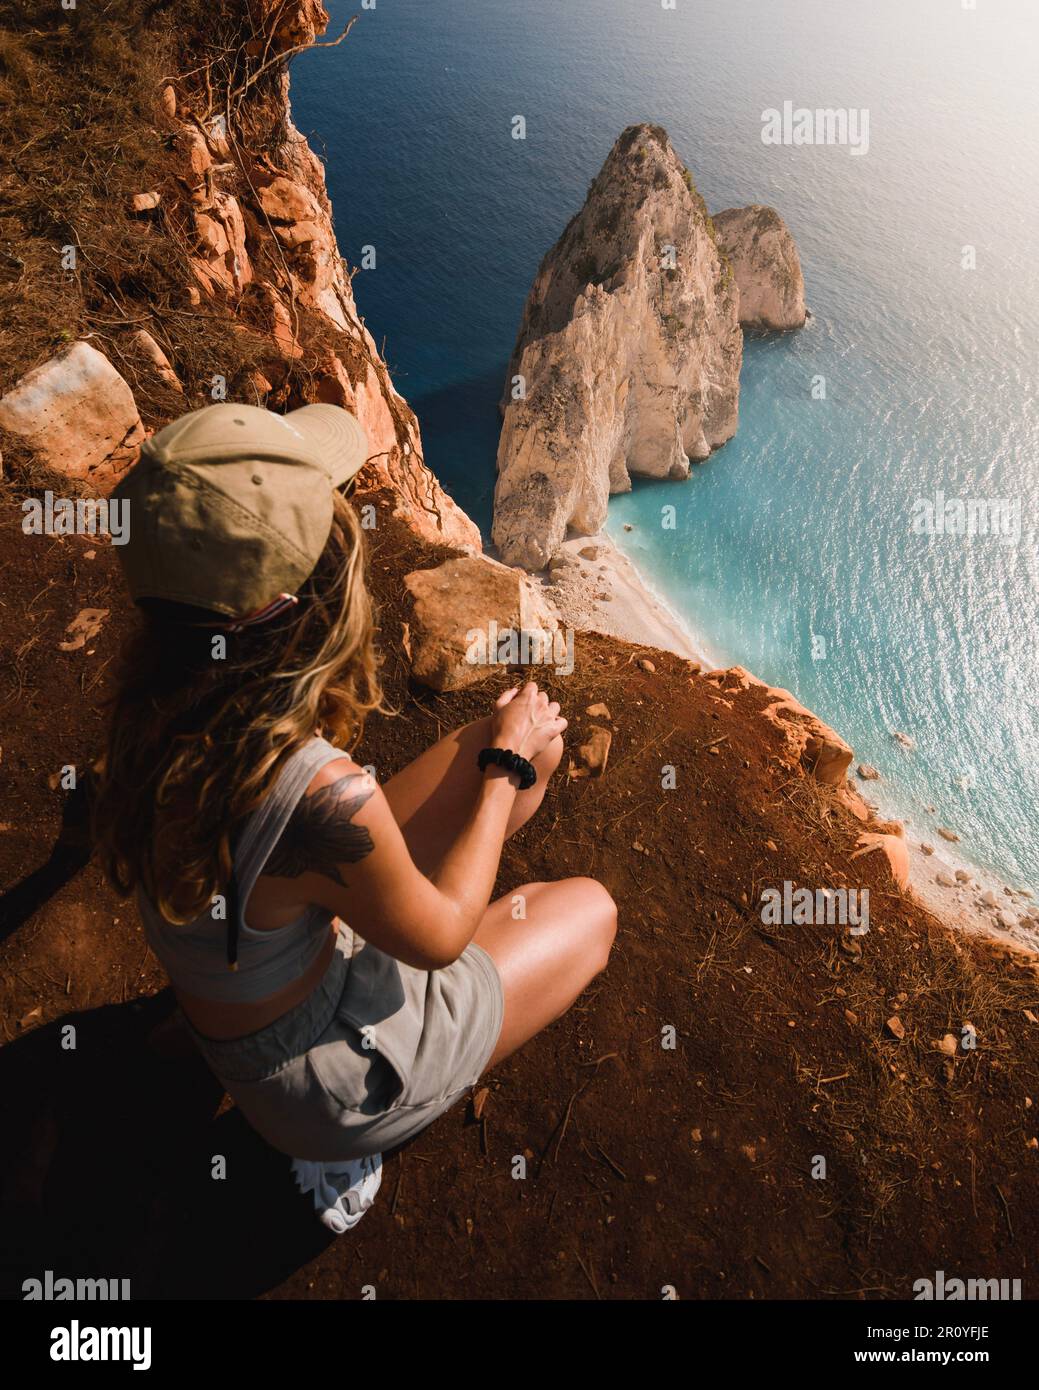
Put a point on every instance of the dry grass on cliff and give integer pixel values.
(84, 130)
(81, 136)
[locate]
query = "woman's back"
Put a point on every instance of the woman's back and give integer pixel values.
(230, 977)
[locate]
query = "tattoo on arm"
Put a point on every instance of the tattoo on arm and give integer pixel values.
(319, 835)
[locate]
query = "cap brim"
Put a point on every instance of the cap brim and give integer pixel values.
(339, 443)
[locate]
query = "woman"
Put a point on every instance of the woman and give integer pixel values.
(330, 938)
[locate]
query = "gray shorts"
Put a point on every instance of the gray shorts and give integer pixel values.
(371, 1057)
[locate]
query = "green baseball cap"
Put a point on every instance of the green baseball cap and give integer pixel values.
(231, 506)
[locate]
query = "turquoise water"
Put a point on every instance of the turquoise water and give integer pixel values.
(800, 527)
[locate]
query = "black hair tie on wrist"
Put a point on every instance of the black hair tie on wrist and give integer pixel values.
(512, 762)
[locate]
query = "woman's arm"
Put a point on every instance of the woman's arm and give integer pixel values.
(344, 850)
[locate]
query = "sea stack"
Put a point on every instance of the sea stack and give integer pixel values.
(628, 354)
(758, 245)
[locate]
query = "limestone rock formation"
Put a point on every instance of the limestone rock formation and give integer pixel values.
(470, 619)
(220, 232)
(629, 353)
(157, 359)
(764, 260)
(287, 26)
(285, 201)
(894, 849)
(77, 415)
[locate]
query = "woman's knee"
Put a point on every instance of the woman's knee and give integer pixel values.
(598, 916)
(550, 757)
(477, 732)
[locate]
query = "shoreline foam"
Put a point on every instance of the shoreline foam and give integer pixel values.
(959, 904)
(636, 613)
(631, 609)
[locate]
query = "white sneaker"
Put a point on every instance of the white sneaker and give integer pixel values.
(343, 1191)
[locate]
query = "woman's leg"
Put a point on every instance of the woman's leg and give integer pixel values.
(432, 797)
(551, 952)
(547, 956)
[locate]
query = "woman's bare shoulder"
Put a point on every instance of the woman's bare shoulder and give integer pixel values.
(333, 772)
(322, 833)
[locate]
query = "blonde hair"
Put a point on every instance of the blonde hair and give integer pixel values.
(195, 742)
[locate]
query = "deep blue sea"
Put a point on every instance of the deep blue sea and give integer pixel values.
(801, 527)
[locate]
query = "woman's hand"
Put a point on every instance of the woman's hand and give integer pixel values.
(526, 720)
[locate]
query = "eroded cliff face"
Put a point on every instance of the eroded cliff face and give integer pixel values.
(628, 354)
(241, 205)
(763, 256)
(352, 372)
(287, 203)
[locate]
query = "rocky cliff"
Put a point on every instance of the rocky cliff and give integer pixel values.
(758, 246)
(648, 1165)
(628, 354)
(255, 302)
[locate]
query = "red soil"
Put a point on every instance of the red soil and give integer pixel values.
(647, 1166)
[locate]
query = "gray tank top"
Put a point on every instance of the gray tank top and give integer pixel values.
(195, 956)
